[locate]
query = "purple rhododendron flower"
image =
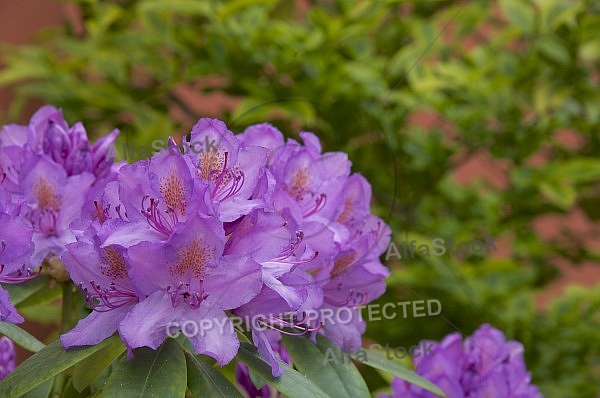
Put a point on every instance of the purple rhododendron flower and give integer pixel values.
(7, 356)
(187, 278)
(69, 147)
(101, 272)
(173, 261)
(15, 249)
(52, 201)
(486, 365)
(249, 225)
(231, 170)
(49, 134)
(48, 171)
(333, 260)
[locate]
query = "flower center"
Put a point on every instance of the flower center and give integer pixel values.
(194, 257)
(299, 184)
(173, 192)
(211, 160)
(44, 218)
(44, 194)
(114, 266)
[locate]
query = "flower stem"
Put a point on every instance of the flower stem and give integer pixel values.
(67, 307)
(65, 325)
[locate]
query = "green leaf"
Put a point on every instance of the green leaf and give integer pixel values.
(204, 380)
(553, 49)
(378, 361)
(258, 381)
(366, 76)
(189, 7)
(20, 292)
(41, 391)
(520, 13)
(558, 193)
(579, 170)
(41, 296)
(91, 368)
(46, 313)
(21, 337)
(291, 383)
(69, 391)
(22, 70)
(233, 7)
(160, 373)
(47, 363)
(333, 377)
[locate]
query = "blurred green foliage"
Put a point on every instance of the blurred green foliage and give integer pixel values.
(503, 78)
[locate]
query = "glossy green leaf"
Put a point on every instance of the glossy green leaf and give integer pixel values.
(376, 360)
(86, 372)
(204, 380)
(151, 373)
(291, 383)
(47, 363)
(21, 337)
(322, 364)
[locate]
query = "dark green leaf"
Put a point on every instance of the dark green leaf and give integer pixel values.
(378, 361)
(69, 391)
(258, 381)
(333, 377)
(47, 363)
(291, 383)
(160, 373)
(90, 369)
(204, 380)
(41, 391)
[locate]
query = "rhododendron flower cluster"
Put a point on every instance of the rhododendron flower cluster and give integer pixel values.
(249, 225)
(48, 172)
(485, 365)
